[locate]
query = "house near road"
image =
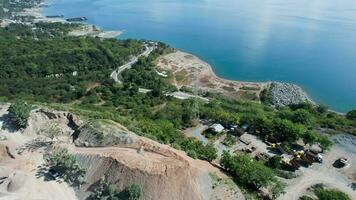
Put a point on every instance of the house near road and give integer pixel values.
(217, 128)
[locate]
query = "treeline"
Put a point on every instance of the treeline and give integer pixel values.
(251, 173)
(286, 125)
(37, 31)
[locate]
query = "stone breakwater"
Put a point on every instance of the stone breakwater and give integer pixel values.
(284, 94)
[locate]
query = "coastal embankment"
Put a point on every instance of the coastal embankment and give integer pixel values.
(187, 70)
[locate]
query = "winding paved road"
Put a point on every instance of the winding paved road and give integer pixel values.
(115, 74)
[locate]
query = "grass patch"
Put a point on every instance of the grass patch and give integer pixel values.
(228, 88)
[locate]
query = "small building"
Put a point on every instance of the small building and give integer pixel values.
(217, 128)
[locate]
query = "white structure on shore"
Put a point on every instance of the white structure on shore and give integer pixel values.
(217, 128)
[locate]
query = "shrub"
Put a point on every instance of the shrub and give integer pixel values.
(351, 115)
(19, 112)
(330, 194)
(106, 190)
(66, 166)
(324, 142)
(274, 162)
(229, 140)
(192, 154)
(132, 192)
(321, 109)
(303, 116)
(304, 197)
(210, 133)
(266, 96)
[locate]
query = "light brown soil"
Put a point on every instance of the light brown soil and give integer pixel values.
(20, 178)
(161, 172)
(190, 71)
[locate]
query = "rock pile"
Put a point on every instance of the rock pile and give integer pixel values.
(284, 94)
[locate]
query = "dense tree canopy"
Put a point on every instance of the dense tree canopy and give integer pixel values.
(57, 68)
(251, 172)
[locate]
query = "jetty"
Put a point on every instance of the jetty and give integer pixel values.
(76, 19)
(55, 16)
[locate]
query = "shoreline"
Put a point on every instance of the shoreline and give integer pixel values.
(236, 87)
(262, 84)
(193, 71)
(83, 30)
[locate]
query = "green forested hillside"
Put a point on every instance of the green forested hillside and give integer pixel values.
(41, 64)
(38, 64)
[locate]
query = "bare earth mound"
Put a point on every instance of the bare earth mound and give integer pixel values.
(160, 171)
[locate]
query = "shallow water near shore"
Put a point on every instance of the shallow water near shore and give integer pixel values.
(308, 42)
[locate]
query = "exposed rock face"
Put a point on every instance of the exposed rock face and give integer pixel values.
(4, 152)
(95, 134)
(72, 121)
(41, 119)
(284, 94)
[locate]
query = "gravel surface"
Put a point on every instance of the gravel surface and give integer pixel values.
(284, 94)
(326, 173)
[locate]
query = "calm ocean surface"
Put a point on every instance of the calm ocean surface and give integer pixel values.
(308, 42)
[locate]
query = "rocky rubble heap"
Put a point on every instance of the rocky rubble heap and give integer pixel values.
(284, 94)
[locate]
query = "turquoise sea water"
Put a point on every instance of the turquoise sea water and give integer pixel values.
(308, 42)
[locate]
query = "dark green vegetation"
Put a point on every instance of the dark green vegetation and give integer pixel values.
(326, 194)
(19, 112)
(229, 140)
(351, 115)
(107, 191)
(330, 194)
(305, 198)
(211, 134)
(315, 116)
(35, 32)
(65, 164)
(251, 174)
(285, 125)
(42, 70)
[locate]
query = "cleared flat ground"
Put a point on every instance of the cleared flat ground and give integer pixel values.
(325, 173)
